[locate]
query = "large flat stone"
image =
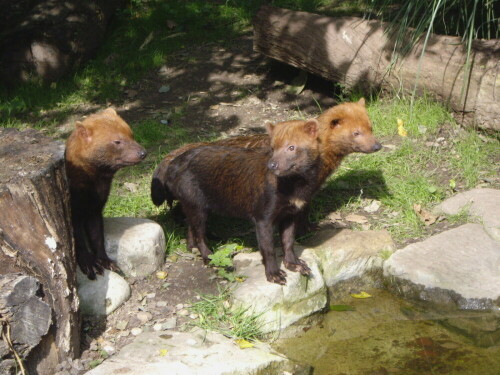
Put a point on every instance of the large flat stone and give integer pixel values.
(136, 245)
(484, 203)
(344, 254)
(103, 295)
(279, 306)
(461, 265)
(192, 353)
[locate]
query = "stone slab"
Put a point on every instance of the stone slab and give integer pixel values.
(464, 260)
(483, 203)
(344, 254)
(191, 353)
(279, 306)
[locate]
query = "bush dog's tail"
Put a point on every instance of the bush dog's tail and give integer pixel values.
(159, 192)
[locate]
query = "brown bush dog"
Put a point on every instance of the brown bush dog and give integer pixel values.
(343, 129)
(99, 146)
(258, 184)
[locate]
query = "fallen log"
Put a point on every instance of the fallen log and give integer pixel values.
(357, 53)
(36, 240)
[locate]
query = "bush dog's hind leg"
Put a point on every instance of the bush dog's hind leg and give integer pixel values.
(291, 261)
(264, 230)
(197, 222)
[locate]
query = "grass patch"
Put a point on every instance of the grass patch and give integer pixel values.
(215, 314)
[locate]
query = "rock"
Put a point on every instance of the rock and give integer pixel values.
(144, 316)
(109, 349)
(136, 245)
(136, 331)
(170, 323)
(102, 295)
(156, 353)
(459, 267)
(344, 253)
(158, 327)
(278, 305)
(183, 312)
(484, 203)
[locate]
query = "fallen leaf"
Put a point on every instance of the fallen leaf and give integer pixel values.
(130, 186)
(161, 275)
(401, 129)
(453, 184)
(361, 295)
(373, 206)
(148, 39)
(171, 24)
(425, 216)
(298, 83)
(334, 216)
(163, 352)
(342, 308)
(354, 218)
(244, 344)
(164, 89)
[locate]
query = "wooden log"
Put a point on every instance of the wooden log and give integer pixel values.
(357, 52)
(35, 230)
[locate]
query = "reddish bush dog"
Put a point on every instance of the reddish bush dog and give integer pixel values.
(99, 146)
(343, 129)
(268, 188)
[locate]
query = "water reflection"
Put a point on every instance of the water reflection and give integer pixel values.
(386, 335)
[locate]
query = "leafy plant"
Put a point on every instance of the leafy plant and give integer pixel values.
(222, 258)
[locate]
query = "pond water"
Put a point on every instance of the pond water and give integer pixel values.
(387, 335)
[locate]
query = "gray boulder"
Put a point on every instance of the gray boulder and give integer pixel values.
(103, 295)
(136, 245)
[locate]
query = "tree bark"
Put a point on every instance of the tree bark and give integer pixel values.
(357, 53)
(35, 231)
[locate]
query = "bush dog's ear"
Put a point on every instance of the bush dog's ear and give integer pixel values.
(362, 102)
(83, 132)
(269, 127)
(311, 127)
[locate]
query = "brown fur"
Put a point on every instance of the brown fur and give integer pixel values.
(267, 187)
(337, 127)
(97, 148)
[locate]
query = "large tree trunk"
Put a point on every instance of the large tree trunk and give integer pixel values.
(36, 237)
(357, 52)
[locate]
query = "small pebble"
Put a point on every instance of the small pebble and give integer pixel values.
(158, 327)
(170, 323)
(151, 295)
(180, 306)
(193, 316)
(183, 312)
(109, 349)
(121, 325)
(161, 304)
(144, 316)
(136, 331)
(124, 333)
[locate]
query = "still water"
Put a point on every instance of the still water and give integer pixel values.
(386, 335)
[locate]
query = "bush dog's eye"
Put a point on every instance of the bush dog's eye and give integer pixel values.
(356, 133)
(335, 122)
(117, 142)
(291, 148)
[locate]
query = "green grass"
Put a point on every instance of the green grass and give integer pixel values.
(216, 314)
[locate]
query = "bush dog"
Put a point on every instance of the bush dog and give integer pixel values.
(343, 129)
(268, 187)
(99, 146)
